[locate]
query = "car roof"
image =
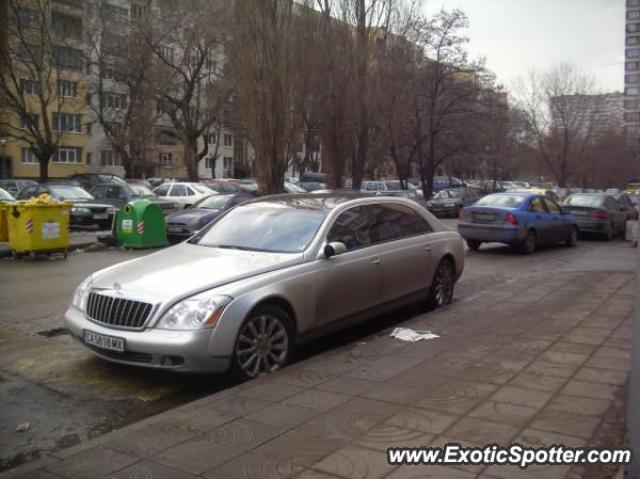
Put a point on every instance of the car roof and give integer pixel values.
(324, 201)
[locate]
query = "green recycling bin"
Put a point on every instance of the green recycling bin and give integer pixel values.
(140, 224)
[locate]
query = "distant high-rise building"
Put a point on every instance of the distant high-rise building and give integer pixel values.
(632, 74)
(591, 115)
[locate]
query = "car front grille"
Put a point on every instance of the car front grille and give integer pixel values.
(118, 312)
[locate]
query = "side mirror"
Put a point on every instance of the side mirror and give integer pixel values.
(334, 248)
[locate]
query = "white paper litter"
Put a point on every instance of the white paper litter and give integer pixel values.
(407, 334)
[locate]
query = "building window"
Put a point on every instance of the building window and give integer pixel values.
(67, 88)
(632, 66)
(633, 15)
(631, 91)
(67, 155)
(110, 158)
(70, 58)
(166, 160)
(632, 104)
(70, 122)
(107, 72)
(114, 100)
(212, 139)
(166, 53)
(633, 3)
(137, 11)
(209, 163)
(30, 122)
(89, 157)
(29, 17)
(228, 140)
(66, 26)
(227, 164)
(29, 87)
(632, 117)
(632, 78)
(633, 27)
(632, 52)
(633, 40)
(28, 156)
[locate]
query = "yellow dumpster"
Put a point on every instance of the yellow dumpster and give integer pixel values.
(4, 227)
(38, 226)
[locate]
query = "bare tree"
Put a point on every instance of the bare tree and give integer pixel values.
(560, 117)
(263, 60)
(118, 92)
(38, 56)
(191, 86)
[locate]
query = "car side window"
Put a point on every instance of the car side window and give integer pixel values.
(162, 190)
(191, 191)
(113, 191)
(394, 221)
(552, 206)
(98, 192)
(370, 186)
(537, 205)
(353, 228)
(179, 190)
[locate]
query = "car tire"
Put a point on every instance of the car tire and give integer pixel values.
(474, 244)
(455, 213)
(442, 286)
(528, 246)
(267, 333)
(572, 240)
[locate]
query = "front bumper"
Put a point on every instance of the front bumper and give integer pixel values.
(491, 233)
(180, 351)
(439, 210)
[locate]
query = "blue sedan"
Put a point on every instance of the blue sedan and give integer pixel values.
(523, 220)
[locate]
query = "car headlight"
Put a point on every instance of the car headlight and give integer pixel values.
(80, 210)
(82, 293)
(449, 205)
(198, 312)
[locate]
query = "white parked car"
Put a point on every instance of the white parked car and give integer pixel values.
(183, 194)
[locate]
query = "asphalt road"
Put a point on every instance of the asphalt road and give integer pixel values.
(66, 395)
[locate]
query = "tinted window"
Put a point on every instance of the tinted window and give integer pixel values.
(179, 190)
(586, 200)
(98, 192)
(370, 186)
(393, 221)
(162, 190)
(552, 206)
(113, 191)
(353, 228)
(501, 201)
(213, 202)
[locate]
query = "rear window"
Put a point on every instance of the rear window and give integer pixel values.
(501, 201)
(586, 200)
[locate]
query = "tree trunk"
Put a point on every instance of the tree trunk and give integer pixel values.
(190, 158)
(44, 157)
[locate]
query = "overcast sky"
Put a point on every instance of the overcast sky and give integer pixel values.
(516, 36)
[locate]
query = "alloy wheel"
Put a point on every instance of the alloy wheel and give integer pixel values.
(263, 345)
(443, 286)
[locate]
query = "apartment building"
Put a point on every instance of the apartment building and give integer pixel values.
(590, 115)
(632, 74)
(53, 94)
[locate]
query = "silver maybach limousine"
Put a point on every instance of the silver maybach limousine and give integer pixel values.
(264, 276)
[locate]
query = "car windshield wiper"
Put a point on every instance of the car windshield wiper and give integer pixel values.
(231, 246)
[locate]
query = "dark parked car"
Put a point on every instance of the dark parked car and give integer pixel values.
(522, 220)
(598, 213)
(85, 210)
(224, 186)
(627, 204)
(16, 186)
(118, 195)
(312, 186)
(184, 223)
(89, 180)
(450, 201)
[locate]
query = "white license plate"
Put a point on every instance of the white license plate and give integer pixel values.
(175, 229)
(100, 216)
(485, 216)
(103, 342)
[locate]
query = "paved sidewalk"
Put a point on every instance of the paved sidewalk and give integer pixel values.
(541, 361)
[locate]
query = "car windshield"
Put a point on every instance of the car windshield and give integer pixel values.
(271, 227)
(213, 202)
(142, 191)
(69, 193)
(501, 201)
(585, 200)
(5, 196)
(449, 194)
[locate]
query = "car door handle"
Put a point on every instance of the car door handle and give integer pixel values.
(427, 248)
(375, 261)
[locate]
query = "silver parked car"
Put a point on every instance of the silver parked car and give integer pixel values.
(264, 276)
